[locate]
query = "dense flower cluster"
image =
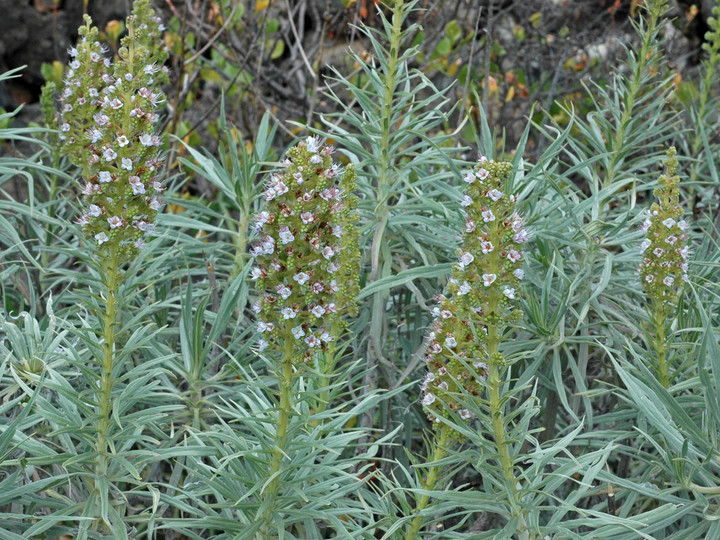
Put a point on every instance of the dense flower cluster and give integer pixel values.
(665, 251)
(107, 128)
(307, 257)
(480, 296)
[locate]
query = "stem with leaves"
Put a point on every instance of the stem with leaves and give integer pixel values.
(439, 452)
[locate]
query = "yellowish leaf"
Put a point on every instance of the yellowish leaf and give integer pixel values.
(510, 94)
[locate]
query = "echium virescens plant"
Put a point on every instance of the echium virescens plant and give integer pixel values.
(307, 267)
(664, 266)
(108, 130)
(463, 357)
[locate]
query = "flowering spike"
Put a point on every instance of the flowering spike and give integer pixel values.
(665, 251)
(479, 298)
(664, 264)
(307, 254)
(107, 127)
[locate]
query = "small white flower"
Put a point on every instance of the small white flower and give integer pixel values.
(109, 154)
(114, 222)
(146, 140)
(668, 280)
(509, 292)
(464, 288)
(514, 256)
(318, 311)
(671, 239)
(646, 225)
(521, 237)
(312, 341)
(154, 204)
(127, 164)
(669, 222)
(94, 135)
(466, 258)
(464, 414)
(683, 224)
(101, 238)
(469, 226)
(301, 277)
(325, 336)
(469, 177)
(262, 344)
(285, 235)
(281, 188)
(288, 313)
(337, 231)
(685, 252)
(489, 279)
(283, 291)
(658, 252)
(128, 77)
(442, 371)
(265, 327)
(495, 194)
(649, 278)
(428, 399)
(122, 140)
(685, 277)
(307, 217)
(333, 267)
(104, 176)
(450, 342)
(488, 216)
(313, 144)
(466, 201)
(443, 386)
(298, 332)
(317, 287)
(486, 246)
(445, 313)
(137, 186)
(519, 273)
(482, 174)
(328, 252)
(645, 244)
(429, 377)
(95, 210)
(255, 273)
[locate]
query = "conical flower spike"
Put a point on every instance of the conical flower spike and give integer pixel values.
(107, 125)
(480, 297)
(307, 258)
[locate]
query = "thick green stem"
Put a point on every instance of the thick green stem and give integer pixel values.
(112, 274)
(241, 237)
(283, 420)
(659, 344)
(496, 407)
(495, 382)
(429, 484)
